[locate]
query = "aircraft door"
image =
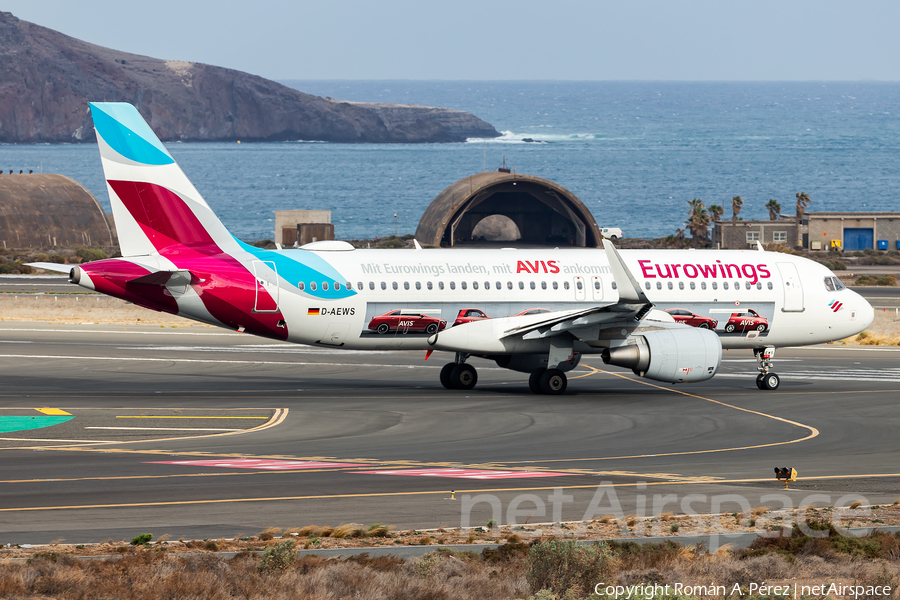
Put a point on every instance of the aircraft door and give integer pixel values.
(266, 287)
(597, 288)
(793, 292)
(579, 288)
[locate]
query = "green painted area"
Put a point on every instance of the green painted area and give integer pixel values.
(8, 424)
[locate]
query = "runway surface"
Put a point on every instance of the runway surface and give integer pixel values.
(111, 431)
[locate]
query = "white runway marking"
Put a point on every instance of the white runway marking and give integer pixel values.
(120, 332)
(224, 362)
(258, 349)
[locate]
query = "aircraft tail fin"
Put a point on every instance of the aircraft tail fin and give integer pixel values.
(156, 208)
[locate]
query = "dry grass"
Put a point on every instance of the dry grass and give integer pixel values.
(149, 574)
(269, 533)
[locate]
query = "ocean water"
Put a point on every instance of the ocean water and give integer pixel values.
(635, 153)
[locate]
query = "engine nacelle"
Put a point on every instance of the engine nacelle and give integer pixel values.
(528, 363)
(670, 355)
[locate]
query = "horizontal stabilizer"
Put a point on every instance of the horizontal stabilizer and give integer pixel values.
(48, 266)
(164, 277)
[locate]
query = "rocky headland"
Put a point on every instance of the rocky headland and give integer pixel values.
(47, 79)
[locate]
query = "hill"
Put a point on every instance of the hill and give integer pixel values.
(47, 79)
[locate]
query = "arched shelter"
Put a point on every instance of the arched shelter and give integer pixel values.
(544, 212)
(50, 210)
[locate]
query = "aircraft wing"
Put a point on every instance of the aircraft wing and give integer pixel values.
(503, 334)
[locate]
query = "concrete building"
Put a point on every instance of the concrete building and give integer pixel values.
(854, 231)
(302, 226)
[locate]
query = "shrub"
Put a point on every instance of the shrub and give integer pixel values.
(268, 534)
(563, 565)
(89, 254)
(278, 557)
(142, 539)
(351, 530)
(674, 528)
(379, 530)
(58, 259)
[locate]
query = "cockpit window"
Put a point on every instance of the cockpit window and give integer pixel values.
(833, 284)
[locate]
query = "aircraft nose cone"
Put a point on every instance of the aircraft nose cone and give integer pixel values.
(866, 313)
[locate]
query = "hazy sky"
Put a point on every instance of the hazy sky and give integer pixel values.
(484, 39)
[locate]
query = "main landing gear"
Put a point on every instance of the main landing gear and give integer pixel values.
(548, 381)
(766, 380)
(459, 375)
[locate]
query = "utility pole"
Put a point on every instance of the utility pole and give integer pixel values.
(395, 224)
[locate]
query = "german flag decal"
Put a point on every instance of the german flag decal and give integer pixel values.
(312, 312)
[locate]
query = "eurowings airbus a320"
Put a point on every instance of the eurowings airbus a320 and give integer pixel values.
(536, 311)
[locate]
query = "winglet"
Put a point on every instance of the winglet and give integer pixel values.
(759, 246)
(416, 242)
(629, 290)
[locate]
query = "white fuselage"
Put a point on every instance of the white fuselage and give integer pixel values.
(790, 292)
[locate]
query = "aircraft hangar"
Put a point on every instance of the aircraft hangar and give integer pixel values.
(501, 206)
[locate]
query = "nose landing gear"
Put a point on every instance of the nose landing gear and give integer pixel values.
(767, 379)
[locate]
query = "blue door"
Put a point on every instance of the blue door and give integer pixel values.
(859, 238)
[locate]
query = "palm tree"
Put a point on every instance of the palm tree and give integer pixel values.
(698, 221)
(803, 201)
(774, 209)
(715, 212)
(736, 203)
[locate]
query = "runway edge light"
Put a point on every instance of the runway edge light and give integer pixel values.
(785, 474)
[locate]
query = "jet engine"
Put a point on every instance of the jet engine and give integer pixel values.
(529, 363)
(670, 355)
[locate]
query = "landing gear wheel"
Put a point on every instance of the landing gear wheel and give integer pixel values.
(534, 381)
(771, 381)
(464, 376)
(553, 382)
(759, 381)
(446, 379)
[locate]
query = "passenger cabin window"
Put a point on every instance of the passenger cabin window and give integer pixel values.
(532, 285)
(693, 286)
(715, 285)
(474, 285)
(452, 285)
(758, 285)
(555, 285)
(487, 285)
(418, 285)
(509, 285)
(371, 285)
(597, 284)
(498, 285)
(579, 285)
(312, 285)
(681, 285)
(747, 285)
(521, 285)
(325, 285)
(405, 285)
(702, 285)
(724, 285)
(659, 285)
(543, 285)
(429, 285)
(337, 286)
(440, 285)
(462, 284)
(359, 285)
(769, 285)
(394, 284)
(614, 286)
(383, 285)
(301, 285)
(647, 284)
(566, 285)
(670, 285)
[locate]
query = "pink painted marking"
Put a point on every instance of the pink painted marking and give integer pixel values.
(466, 473)
(250, 463)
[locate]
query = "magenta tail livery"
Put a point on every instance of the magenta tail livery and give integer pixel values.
(665, 314)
